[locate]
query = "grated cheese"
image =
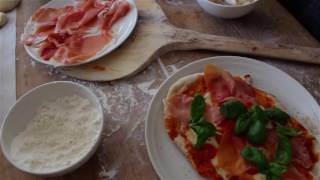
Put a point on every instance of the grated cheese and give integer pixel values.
(60, 133)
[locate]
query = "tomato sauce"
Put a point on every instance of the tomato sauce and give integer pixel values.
(198, 86)
(201, 158)
(263, 99)
(172, 126)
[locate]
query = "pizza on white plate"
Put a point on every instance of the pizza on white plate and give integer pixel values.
(229, 129)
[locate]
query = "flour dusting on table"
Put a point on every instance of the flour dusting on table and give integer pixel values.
(61, 132)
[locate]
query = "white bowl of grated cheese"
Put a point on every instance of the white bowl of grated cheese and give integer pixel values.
(53, 129)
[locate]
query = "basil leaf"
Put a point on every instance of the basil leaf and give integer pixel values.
(198, 107)
(277, 169)
(255, 156)
(258, 114)
(242, 124)
(286, 131)
(284, 150)
(257, 133)
(232, 109)
(277, 115)
(204, 130)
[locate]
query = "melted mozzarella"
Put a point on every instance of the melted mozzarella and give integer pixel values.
(191, 136)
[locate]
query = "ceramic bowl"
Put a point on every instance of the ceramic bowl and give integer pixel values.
(24, 110)
(227, 11)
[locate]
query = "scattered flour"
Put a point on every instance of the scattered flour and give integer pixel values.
(61, 132)
(317, 93)
(173, 68)
(146, 87)
(108, 174)
(163, 68)
(33, 63)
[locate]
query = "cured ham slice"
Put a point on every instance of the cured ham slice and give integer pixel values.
(220, 83)
(69, 20)
(49, 14)
(297, 173)
(179, 107)
(228, 154)
(110, 16)
(88, 17)
(213, 115)
(58, 39)
(34, 40)
(47, 50)
(46, 27)
(80, 48)
(223, 86)
(65, 34)
(244, 92)
(301, 153)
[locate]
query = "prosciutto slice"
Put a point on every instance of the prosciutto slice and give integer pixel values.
(301, 153)
(75, 33)
(223, 86)
(228, 153)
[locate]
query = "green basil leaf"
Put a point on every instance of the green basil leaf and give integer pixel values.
(198, 107)
(284, 150)
(277, 169)
(242, 124)
(258, 114)
(277, 115)
(232, 109)
(257, 133)
(204, 130)
(286, 131)
(255, 156)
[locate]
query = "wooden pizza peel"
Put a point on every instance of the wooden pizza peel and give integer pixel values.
(154, 35)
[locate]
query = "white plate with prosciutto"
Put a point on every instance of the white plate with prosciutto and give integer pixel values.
(74, 32)
(233, 118)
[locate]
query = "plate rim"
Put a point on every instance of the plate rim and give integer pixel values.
(93, 58)
(209, 60)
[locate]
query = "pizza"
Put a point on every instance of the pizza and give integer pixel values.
(228, 129)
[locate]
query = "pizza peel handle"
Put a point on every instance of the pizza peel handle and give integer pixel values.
(190, 40)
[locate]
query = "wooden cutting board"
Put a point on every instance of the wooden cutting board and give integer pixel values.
(153, 36)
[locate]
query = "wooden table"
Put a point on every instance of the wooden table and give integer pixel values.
(122, 153)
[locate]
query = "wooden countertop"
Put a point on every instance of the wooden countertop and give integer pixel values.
(122, 153)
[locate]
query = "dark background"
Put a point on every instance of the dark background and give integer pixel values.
(307, 12)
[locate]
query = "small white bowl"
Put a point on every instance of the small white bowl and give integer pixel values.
(25, 108)
(227, 11)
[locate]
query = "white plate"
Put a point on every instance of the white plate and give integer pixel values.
(167, 159)
(121, 31)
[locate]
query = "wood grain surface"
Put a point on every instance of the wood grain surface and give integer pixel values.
(122, 153)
